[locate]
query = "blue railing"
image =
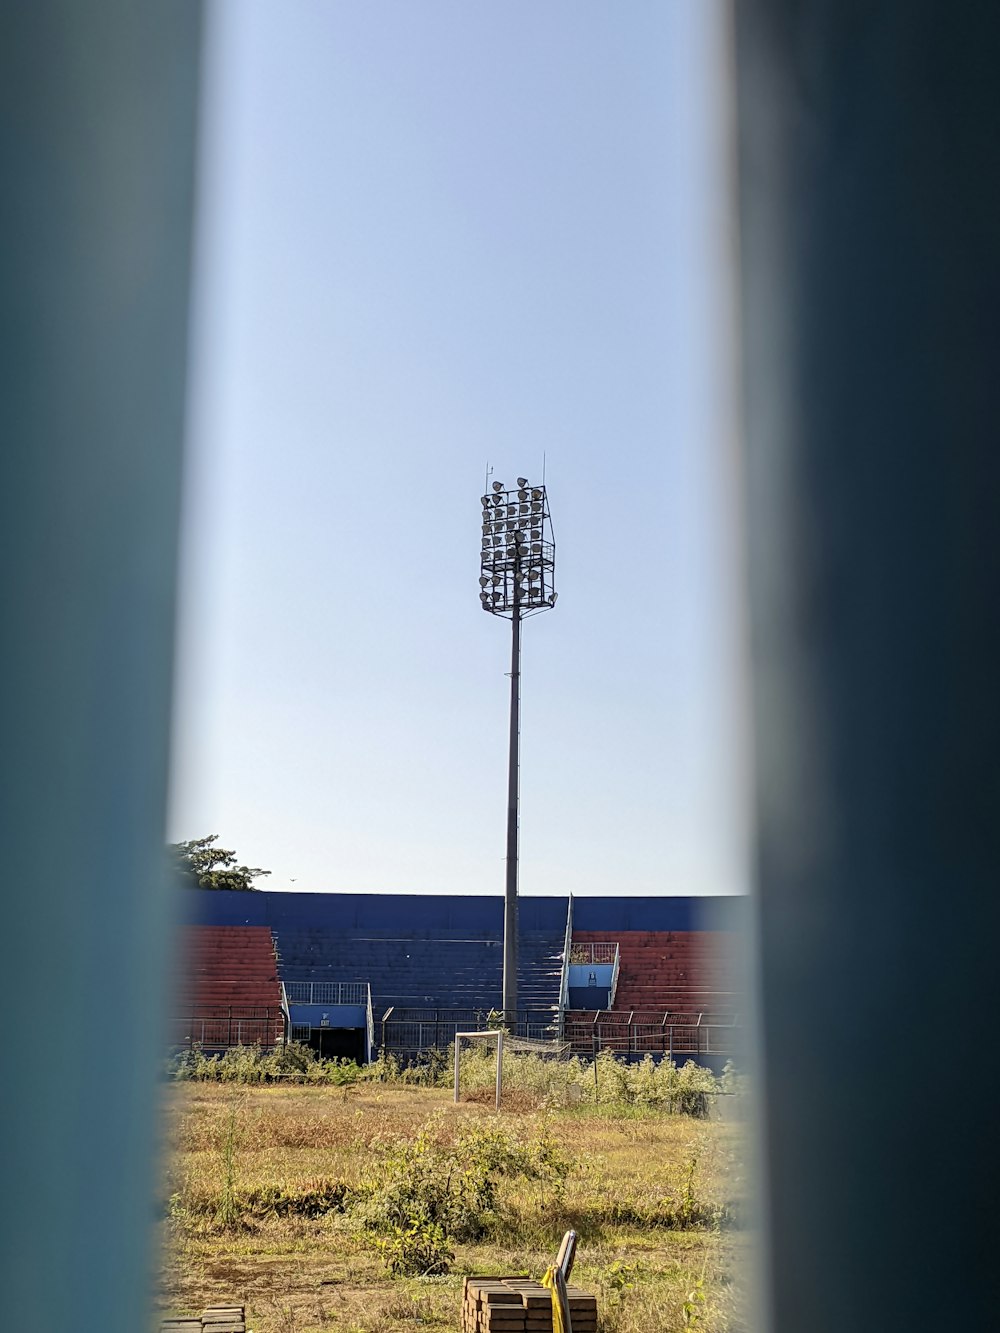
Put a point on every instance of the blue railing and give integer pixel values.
(564, 980)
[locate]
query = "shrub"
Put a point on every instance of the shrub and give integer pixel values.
(419, 1250)
(251, 1064)
(236, 1207)
(420, 1195)
(609, 1082)
(528, 1079)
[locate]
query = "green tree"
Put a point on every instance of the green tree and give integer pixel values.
(205, 866)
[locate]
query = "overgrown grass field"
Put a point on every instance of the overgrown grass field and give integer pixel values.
(357, 1208)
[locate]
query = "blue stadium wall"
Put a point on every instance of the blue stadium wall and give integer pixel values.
(419, 915)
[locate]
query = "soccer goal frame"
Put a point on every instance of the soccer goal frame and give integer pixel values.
(505, 1041)
(490, 1034)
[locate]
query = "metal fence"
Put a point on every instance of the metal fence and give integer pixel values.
(225, 1026)
(605, 951)
(688, 1035)
(327, 992)
(411, 1031)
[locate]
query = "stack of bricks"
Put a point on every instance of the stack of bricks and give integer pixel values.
(519, 1305)
(216, 1319)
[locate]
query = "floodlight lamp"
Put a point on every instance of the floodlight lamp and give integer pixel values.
(536, 494)
(522, 481)
(536, 547)
(522, 494)
(487, 541)
(498, 485)
(522, 508)
(486, 500)
(497, 580)
(483, 580)
(536, 508)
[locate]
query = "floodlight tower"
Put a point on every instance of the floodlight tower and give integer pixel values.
(516, 580)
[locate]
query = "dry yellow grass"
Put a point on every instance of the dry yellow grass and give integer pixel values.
(310, 1274)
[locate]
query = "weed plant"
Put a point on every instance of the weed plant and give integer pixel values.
(607, 1082)
(529, 1080)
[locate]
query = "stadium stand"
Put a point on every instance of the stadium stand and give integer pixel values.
(674, 993)
(434, 964)
(675, 970)
(445, 976)
(404, 972)
(229, 992)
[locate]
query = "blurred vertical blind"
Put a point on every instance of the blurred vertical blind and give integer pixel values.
(870, 187)
(97, 127)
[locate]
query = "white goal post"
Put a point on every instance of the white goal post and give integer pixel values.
(504, 1041)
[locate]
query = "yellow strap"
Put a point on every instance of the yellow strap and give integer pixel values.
(553, 1279)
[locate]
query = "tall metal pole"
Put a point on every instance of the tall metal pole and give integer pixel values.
(513, 786)
(517, 568)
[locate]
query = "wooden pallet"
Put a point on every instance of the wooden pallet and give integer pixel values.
(216, 1319)
(520, 1305)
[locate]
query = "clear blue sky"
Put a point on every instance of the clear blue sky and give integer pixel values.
(435, 234)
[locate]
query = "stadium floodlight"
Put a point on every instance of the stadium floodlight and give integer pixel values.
(519, 565)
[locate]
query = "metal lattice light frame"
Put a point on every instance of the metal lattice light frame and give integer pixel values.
(518, 563)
